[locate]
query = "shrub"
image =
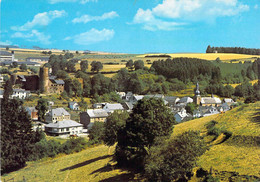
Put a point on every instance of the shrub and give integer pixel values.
(45, 148)
(211, 124)
(214, 131)
(175, 159)
(73, 145)
(96, 133)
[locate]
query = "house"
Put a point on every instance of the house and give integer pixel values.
(224, 107)
(65, 127)
(58, 114)
(17, 93)
(155, 96)
(158, 96)
(32, 112)
(135, 98)
(99, 105)
(178, 107)
(128, 106)
(20, 93)
(128, 96)
(56, 86)
(205, 111)
(27, 82)
(37, 59)
(121, 94)
(92, 115)
(1, 94)
(211, 110)
(181, 115)
(1, 79)
(28, 63)
(210, 101)
(171, 100)
(36, 125)
(185, 100)
(229, 101)
(6, 56)
(110, 108)
(74, 106)
(50, 103)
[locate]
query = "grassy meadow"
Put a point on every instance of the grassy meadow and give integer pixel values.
(239, 153)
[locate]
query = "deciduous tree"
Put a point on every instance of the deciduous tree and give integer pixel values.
(42, 108)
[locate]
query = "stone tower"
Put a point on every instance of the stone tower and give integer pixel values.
(44, 80)
(197, 97)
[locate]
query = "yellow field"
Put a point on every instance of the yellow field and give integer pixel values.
(208, 56)
(236, 84)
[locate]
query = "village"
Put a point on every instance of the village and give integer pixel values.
(58, 120)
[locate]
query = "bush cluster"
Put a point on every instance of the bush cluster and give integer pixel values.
(51, 148)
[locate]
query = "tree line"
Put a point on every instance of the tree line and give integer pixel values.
(236, 50)
(186, 69)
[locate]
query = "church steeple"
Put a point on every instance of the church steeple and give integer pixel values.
(197, 97)
(197, 91)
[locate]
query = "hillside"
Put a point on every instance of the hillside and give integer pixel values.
(239, 153)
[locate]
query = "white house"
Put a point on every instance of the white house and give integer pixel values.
(185, 100)
(74, 106)
(65, 127)
(110, 108)
(20, 93)
(179, 116)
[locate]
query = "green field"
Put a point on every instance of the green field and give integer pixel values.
(240, 153)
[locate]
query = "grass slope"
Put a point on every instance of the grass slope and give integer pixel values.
(92, 164)
(240, 153)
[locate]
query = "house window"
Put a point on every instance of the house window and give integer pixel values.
(67, 129)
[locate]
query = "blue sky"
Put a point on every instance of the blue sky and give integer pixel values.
(131, 26)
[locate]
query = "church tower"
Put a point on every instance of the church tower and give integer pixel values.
(44, 80)
(197, 97)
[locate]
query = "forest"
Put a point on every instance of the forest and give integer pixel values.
(237, 50)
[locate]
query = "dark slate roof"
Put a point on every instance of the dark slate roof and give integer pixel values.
(59, 82)
(5, 53)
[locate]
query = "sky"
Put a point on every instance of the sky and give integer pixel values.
(130, 26)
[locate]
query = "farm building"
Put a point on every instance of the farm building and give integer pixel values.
(92, 115)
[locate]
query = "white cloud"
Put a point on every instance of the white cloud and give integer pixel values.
(41, 19)
(7, 42)
(201, 9)
(256, 6)
(184, 11)
(151, 23)
(88, 18)
(92, 36)
(71, 1)
(33, 36)
(86, 1)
